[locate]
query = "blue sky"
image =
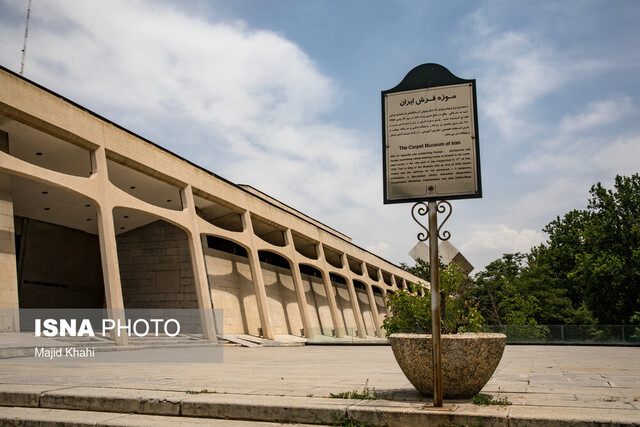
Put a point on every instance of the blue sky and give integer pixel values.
(285, 96)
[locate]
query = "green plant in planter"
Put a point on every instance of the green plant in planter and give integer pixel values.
(410, 312)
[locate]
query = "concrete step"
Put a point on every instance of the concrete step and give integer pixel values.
(199, 404)
(16, 416)
(263, 342)
(290, 340)
(255, 341)
(237, 340)
(107, 406)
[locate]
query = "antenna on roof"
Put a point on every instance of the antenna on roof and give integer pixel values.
(26, 34)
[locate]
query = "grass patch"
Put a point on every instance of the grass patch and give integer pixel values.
(485, 400)
(365, 394)
(205, 391)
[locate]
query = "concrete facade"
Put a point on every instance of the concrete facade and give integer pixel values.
(9, 274)
(114, 221)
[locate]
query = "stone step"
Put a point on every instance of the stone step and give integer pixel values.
(290, 340)
(237, 340)
(200, 404)
(263, 342)
(79, 406)
(17, 416)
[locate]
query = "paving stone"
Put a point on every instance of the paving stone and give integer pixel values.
(248, 374)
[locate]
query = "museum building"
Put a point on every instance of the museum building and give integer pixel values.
(94, 216)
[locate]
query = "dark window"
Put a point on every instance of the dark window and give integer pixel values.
(273, 259)
(227, 246)
(337, 279)
(311, 271)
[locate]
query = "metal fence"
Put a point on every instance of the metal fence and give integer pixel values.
(570, 334)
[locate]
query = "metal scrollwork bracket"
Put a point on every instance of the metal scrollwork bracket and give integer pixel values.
(422, 209)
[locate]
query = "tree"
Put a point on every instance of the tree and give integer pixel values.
(556, 259)
(501, 290)
(587, 272)
(608, 267)
(508, 298)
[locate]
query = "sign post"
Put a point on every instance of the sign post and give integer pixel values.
(430, 153)
(434, 263)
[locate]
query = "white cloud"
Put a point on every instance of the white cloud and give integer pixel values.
(381, 248)
(553, 197)
(251, 96)
(559, 156)
(583, 146)
(139, 55)
(620, 157)
(492, 239)
(597, 114)
(515, 69)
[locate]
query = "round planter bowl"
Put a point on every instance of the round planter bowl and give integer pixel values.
(468, 361)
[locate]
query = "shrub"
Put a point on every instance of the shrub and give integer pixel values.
(410, 312)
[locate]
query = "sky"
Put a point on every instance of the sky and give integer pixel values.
(284, 95)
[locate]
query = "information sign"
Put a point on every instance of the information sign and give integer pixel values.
(430, 138)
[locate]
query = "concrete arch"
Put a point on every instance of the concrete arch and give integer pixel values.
(231, 287)
(81, 187)
(206, 228)
(380, 300)
(364, 303)
(320, 320)
(156, 276)
(123, 200)
(144, 185)
(58, 266)
(281, 295)
(344, 302)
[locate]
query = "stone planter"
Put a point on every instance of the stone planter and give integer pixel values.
(468, 361)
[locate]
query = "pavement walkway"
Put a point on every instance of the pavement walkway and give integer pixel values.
(546, 385)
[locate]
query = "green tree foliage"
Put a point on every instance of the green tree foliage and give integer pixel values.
(587, 272)
(609, 265)
(507, 297)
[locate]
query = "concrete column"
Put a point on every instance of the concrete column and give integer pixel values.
(380, 276)
(338, 324)
(9, 317)
(381, 279)
(372, 303)
(362, 332)
(258, 279)
(201, 281)
(108, 246)
(297, 284)
(393, 281)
